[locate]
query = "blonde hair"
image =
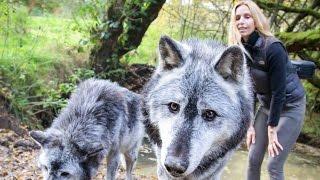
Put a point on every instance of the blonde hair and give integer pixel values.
(260, 22)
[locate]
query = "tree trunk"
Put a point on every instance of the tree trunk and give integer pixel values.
(291, 27)
(270, 5)
(101, 54)
(31, 5)
(125, 24)
(273, 18)
(297, 41)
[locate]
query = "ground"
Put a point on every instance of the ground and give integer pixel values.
(18, 156)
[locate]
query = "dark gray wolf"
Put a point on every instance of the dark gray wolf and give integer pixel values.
(197, 107)
(101, 119)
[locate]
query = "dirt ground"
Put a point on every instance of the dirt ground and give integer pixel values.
(18, 155)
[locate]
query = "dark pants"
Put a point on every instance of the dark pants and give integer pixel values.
(288, 129)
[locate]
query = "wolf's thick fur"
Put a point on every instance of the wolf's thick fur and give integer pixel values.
(101, 119)
(197, 107)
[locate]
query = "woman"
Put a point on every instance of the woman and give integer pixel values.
(281, 96)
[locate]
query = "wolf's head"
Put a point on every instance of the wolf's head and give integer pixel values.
(198, 104)
(61, 158)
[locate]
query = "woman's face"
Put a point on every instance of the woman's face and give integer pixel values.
(244, 21)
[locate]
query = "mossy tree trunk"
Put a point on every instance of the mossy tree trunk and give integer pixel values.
(297, 41)
(120, 31)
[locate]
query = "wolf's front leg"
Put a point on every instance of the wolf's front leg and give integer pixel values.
(112, 165)
(130, 157)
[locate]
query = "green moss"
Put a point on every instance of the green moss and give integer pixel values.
(293, 37)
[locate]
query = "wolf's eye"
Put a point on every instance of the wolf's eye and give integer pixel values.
(209, 115)
(44, 167)
(173, 107)
(64, 174)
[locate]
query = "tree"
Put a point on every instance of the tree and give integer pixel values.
(120, 31)
(200, 18)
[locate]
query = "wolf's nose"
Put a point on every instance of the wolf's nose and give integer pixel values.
(175, 166)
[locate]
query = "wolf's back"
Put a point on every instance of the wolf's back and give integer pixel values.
(96, 112)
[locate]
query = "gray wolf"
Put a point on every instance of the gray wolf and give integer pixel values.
(197, 107)
(101, 119)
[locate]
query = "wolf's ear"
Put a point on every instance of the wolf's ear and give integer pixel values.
(39, 136)
(170, 56)
(231, 63)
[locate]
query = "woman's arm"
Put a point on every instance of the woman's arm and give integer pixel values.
(277, 58)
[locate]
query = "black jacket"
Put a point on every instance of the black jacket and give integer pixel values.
(274, 80)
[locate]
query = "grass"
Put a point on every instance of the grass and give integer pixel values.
(44, 43)
(36, 55)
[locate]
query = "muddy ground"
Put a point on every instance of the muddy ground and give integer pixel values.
(18, 156)
(18, 159)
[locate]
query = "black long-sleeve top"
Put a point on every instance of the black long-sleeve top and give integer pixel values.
(276, 60)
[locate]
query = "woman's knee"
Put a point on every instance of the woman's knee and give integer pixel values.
(275, 167)
(255, 160)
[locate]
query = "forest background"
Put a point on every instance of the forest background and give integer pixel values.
(48, 46)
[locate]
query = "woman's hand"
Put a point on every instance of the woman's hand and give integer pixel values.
(251, 136)
(274, 145)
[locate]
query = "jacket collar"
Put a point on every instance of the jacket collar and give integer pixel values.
(255, 41)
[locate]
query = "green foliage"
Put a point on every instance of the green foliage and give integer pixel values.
(42, 7)
(55, 99)
(146, 53)
(87, 16)
(313, 97)
(43, 58)
(37, 54)
(312, 119)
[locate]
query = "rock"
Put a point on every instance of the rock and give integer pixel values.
(9, 122)
(7, 137)
(26, 143)
(307, 150)
(4, 142)
(4, 150)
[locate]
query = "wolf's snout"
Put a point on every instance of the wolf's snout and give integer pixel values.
(175, 166)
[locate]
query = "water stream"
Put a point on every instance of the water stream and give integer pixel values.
(297, 167)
